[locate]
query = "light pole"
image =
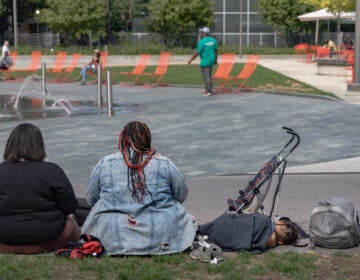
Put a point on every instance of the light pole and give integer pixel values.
(37, 13)
(241, 27)
(15, 24)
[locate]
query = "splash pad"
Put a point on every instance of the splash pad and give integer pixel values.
(34, 101)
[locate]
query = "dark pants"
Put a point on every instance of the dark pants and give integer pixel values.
(206, 73)
(71, 233)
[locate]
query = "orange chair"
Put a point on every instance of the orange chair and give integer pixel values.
(322, 52)
(34, 66)
(350, 61)
(240, 80)
(160, 70)
(138, 69)
(300, 51)
(59, 63)
(223, 71)
(7, 73)
(64, 76)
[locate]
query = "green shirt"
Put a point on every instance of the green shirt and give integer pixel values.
(206, 48)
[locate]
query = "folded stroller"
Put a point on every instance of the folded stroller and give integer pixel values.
(264, 176)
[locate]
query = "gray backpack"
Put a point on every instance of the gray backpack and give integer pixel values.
(334, 224)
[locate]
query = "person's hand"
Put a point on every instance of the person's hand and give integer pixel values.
(189, 62)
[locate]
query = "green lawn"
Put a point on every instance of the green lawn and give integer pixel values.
(262, 79)
(289, 265)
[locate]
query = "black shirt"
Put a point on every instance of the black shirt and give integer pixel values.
(35, 197)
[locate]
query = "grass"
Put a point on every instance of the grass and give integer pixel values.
(288, 265)
(189, 75)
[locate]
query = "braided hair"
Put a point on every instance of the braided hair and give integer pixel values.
(135, 145)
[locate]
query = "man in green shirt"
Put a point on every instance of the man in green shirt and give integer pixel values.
(207, 50)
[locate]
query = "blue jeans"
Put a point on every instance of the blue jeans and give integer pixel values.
(84, 70)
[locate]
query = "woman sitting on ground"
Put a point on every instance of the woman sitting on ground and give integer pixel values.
(136, 197)
(36, 197)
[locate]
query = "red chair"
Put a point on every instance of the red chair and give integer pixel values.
(161, 69)
(240, 80)
(322, 52)
(135, 74)
(34, 66)
(223, 71)
(64, 76)
(300, 51)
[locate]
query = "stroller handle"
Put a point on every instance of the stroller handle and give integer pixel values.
(294, 135)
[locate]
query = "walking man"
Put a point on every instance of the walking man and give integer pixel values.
(207, 50)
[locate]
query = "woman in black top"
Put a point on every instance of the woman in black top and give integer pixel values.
(36, 197)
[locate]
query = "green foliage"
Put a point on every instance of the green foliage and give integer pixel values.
(179, 16)
(121, 13)
(335, 6)
(282, 14)
(75, 17)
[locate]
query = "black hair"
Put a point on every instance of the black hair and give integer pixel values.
(291, 233)
(25, 142)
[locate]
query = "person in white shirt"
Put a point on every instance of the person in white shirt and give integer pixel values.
(5, 48)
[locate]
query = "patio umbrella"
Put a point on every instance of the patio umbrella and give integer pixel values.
(324, 14)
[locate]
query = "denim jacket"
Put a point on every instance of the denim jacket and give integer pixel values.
(158, 225)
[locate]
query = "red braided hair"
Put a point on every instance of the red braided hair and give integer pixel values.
(135, 145)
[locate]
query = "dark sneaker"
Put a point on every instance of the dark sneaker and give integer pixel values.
(202, 254)
(216, 252)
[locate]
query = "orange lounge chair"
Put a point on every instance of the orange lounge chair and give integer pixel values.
(59, 64)
(7, 73)
(240, 80)
(160, 71)
(135, 74)
(223, 71)
(34, 66)
(64, 76)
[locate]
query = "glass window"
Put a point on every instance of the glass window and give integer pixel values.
(234, 5)
(218, 5)
(232, 23)
(253, 5)
(218, 24)
(257, 24)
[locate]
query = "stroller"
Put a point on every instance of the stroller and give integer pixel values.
(264, 176)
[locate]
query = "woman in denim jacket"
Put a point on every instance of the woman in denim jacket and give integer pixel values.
(136, 197)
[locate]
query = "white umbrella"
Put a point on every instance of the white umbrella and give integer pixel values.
(325, 14)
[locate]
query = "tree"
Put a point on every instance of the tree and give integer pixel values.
(335, 6)
(75, 17)
(282, 15)
(175, 17)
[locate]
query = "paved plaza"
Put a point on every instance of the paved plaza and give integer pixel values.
(218, 142)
